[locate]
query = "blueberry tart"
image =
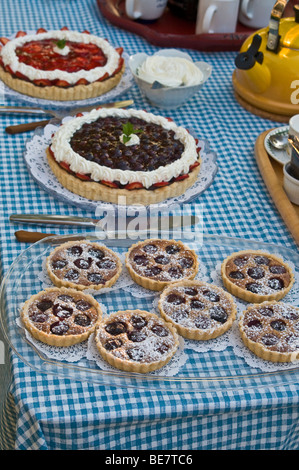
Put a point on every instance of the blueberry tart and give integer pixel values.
(60, 65)
(156, 263)
(61, 317)
(109, 154)
(136, 341)
(271, 331)
(255, 276)
(198, 310)
(83, 265)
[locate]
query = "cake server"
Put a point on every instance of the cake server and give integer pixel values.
(27, 110)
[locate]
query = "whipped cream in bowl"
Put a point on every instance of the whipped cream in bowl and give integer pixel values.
(168, 78)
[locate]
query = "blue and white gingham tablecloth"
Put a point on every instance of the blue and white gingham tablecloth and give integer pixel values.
(48, 412)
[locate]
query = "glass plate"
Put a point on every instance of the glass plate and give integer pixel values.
(206, 370)
(39, 168)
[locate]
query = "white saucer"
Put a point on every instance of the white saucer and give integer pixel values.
(281, 156)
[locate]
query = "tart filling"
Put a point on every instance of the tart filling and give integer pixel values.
(61, 58)
(83, 265)
(198, 310)
(61, 317)
(92, 147)
(155, 263)
(256, 276)
(136, 340)
(271, 331)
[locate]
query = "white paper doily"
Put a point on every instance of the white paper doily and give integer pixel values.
(123, 86)
(38, 167)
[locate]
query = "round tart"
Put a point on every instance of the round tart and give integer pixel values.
(60, 65)
(155, 263)
(136, 341)
(256, 276)
(109, 154)
(198, 310)
(271, 331)
(83, 265)
(61, 317)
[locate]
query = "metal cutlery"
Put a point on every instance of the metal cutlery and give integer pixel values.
(70, 220)
(279, 140)
(27, 110)
(46, 219)
(163, 223)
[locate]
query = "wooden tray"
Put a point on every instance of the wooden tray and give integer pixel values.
(173, 31)
(272, 173)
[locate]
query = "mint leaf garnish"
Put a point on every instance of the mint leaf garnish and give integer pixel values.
(128, 130)
(61, 43)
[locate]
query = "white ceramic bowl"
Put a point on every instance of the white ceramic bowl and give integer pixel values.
(167, 97)
(291, 185)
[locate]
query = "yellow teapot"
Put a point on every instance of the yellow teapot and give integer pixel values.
(267, 68)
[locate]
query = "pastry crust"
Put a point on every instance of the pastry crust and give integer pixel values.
(120, 360)
(100, 192)
(155, 284)
(216, 328)
(237, 288)
(54, 339)
(77, 92)
(269, 331)
(62, 282)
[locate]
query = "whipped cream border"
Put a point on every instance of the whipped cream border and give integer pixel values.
(64, 153)
(9, 57)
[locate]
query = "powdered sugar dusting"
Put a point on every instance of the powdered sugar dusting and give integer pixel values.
(84, 263)
(146, 338)
(197, 307)
(274, 325)
(163, 260)
(258, 272)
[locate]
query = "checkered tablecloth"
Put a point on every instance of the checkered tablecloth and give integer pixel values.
(48, 412)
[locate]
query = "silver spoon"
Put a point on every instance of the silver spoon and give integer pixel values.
(279, 141)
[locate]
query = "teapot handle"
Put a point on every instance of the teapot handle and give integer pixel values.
(276, 15)
(245, 9)
(132, 9)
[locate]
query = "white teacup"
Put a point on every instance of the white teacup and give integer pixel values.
(255, 13)
(293, 130)
(145, 9)
(217, 16)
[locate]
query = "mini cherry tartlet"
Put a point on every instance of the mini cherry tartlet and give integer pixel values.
(255, 276)
(136, 341)
(83, 265)
(271, 331)
(61, 317)
(156, 263)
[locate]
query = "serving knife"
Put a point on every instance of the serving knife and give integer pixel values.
(70, 220)
(27, 110)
